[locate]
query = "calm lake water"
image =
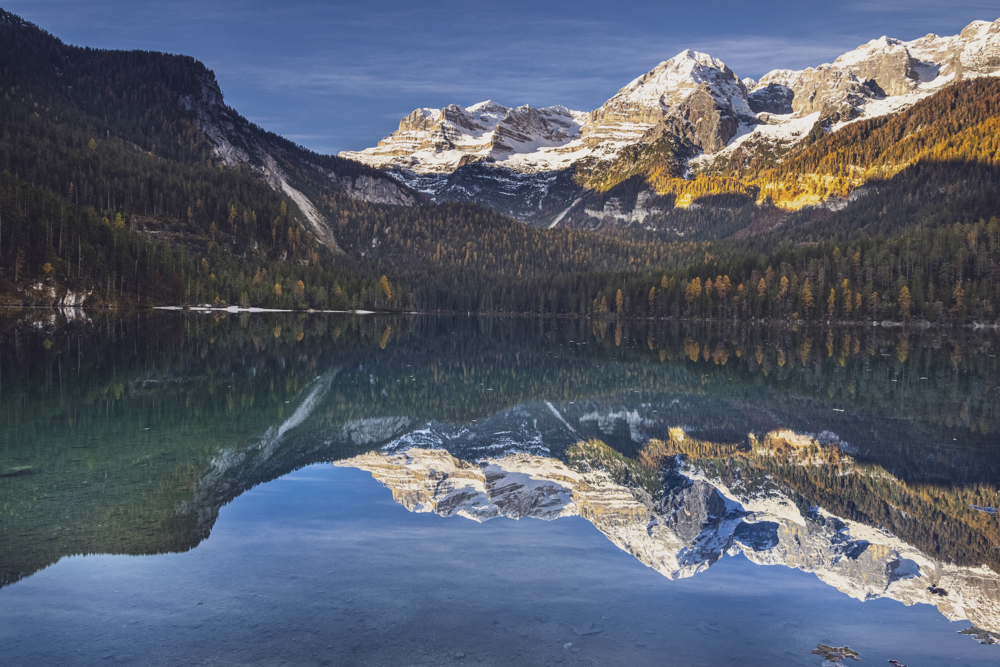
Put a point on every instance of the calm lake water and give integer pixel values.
(213, 489)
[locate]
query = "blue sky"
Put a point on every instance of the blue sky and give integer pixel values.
(338, 76)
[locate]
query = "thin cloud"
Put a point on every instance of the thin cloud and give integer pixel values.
(933, 7)
(339, 74)
(923, 16)
(521, 79)
(753, 56)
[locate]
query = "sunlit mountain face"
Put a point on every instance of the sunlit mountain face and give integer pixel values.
(861, 459)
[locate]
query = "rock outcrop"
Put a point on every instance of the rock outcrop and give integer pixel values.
(854, 84)
(236, 141)
(439, 141)
(692, 87)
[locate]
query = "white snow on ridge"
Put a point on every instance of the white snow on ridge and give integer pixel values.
(441, 140)
(883, 76)
(781, 130)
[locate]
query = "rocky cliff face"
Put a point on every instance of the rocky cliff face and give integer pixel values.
(699, 92)
(506, 158)
(694, 88)
(439, 141)
(691, 527)
(236, 141)
(881, 77)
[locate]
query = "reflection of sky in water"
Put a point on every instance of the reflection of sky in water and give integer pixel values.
(322, 567)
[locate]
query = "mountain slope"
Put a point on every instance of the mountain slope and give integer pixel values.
(236, 141)
(692, 102)
(128, 179)
(171, 107)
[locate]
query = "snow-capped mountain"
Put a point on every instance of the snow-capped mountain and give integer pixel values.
(882, 77)
(434, 141)
(521, 160)
(692, 87)
(699, 93)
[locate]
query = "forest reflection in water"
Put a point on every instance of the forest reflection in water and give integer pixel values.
(866, 456)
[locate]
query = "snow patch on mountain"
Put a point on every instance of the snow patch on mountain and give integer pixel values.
(508, 158)
(524, 139)
(698, 96)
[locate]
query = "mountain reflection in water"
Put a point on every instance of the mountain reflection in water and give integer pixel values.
(685, 530)
(867, 457)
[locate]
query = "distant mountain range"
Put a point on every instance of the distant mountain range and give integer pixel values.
(538, 164)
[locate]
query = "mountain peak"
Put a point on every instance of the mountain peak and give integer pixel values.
(487, 105)
(693, 97)
(690, 57)
(976, 29)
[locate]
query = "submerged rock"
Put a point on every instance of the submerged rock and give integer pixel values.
(981, 636)
(586, 629)
(836, 654)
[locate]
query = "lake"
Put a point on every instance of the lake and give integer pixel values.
(306, 489)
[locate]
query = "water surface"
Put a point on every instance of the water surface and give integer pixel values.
(683, 495)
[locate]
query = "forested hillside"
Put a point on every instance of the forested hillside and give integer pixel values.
(877, 175)
(112, 188)
(915, 236)
(125, 180)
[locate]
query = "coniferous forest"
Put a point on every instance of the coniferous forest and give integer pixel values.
(112, 193)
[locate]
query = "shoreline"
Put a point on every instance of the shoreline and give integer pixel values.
(888, 324)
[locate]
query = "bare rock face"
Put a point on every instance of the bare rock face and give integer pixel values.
(981, 47)
(886, 63)
(691, 86)
(713, 124)
(826, 89)
(432, 141)
(772, 98)
(376, 191)
(554, 125)
(882, 68)
(236, 142)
